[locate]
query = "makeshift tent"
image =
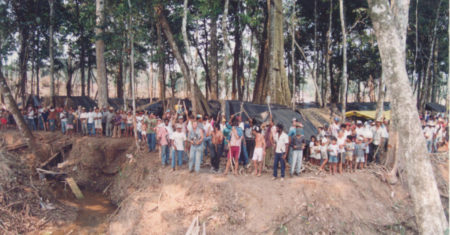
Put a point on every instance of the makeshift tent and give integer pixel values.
(281, 114)
(364, 106)
(435, 107)
(72, 102)
(367, 114)
(117, 103)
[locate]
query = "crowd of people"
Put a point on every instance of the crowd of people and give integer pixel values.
(180, 137)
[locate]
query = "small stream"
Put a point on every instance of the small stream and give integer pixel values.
(92, 215)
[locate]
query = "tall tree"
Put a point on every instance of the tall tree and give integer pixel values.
(390, 21)
(271, 70)
(200, 100)
(344, 77)
(161, 64)
(102, 81)
(213, 60)
(52, 59)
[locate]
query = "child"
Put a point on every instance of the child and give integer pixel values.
(360, 150)
(144, 132)
(333, 150)
(323, 154)
(349, 148)
(315, 152)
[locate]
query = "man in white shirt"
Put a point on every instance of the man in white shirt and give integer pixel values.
(83, 120)
(63, 118)
(335, 127)
(429, 132)
(282, 144)
(178, 139)
(90, 123)
(377, 142)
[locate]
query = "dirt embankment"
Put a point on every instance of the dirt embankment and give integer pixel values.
(155, 200)
(351, 203)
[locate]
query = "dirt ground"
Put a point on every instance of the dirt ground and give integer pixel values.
(128, 192)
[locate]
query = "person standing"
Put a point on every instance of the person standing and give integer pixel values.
(98, 118)
(258, 152)
(178, 140)
(52, 119)
(151, 128)
(116, 122)
(217, 147)
(163, 133)
(297, 145)
(83, 120)
(235, 147)
(109, 122)
(196, 139)
(30, 118)
(63, 119)
(281, 140)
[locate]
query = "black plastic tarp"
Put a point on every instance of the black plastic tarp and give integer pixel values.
(72, 102)
(281, 114)
(364, 106)
(435, 107)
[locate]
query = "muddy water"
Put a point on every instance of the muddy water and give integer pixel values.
(92, 216)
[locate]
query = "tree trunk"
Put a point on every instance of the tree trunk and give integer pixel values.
(380, 102)
(82, 42)
(236, 57)
(11, 105)
(202, 102)
(277, 72)
(260, 91)
(293, 25)
(119, 81)
(52, 67)
(23, 62)
(434, 83)
(213, 61)
(344, 59)
(69, 75)
(428, 77)
(192, 65)
(89, 76)
(102, 82)
(390, 20)
(226, 54)
(328, 57)
(161, 64)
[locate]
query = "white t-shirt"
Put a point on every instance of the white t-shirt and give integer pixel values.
(334, 129)
(377, 135)
(90, 117)
(84, 116)
(63, 117)
(178, 140)
(428, 132)
(139, 122)
(31, 114)
(359, 131)
(333, 149)
(281, 141)
(208, 128)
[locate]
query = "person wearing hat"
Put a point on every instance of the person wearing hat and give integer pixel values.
(335, 127)
(377, 142)
(178, 139)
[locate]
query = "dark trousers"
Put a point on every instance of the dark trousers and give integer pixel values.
(216, 152)
(250, 146)
(279, 159)
(151, 141)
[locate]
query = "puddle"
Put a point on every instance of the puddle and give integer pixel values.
(92, 216)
